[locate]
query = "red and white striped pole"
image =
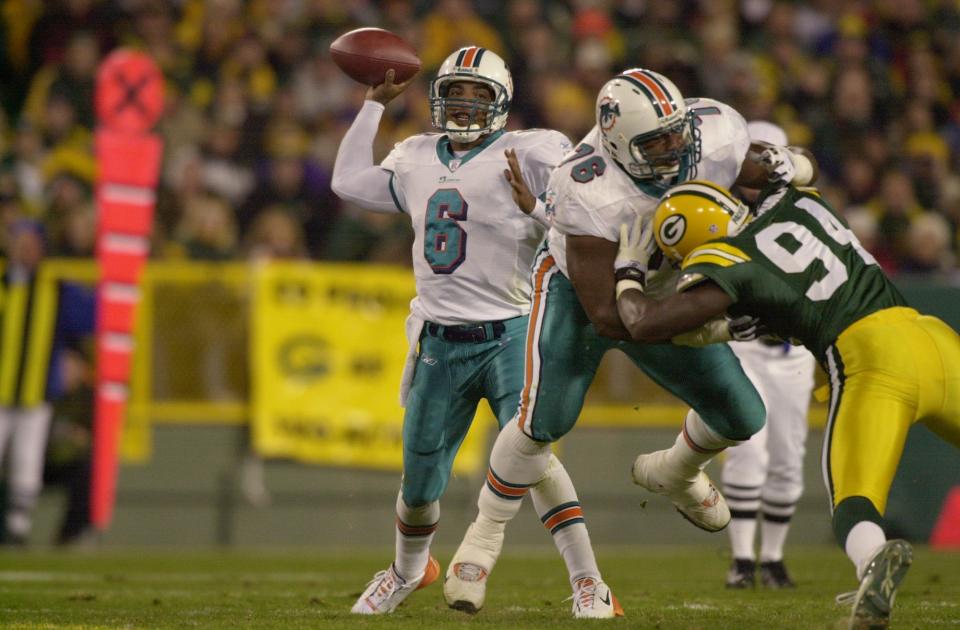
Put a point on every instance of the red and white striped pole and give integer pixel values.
(129, 101)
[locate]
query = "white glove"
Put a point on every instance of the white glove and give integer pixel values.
(778, 162)
(785, 165)
(637, 247)
(746, 328)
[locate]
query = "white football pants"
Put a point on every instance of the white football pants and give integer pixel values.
(23, 435)
(769, 466)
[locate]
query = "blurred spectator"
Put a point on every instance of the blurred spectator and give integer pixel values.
(275, 233)
(895, 208)
(289, 178)
(862, 84)
(35, 330)
(207, 230)
(928, 245)
(70, 446)
(450, 25)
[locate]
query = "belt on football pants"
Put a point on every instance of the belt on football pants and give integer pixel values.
(467, 333)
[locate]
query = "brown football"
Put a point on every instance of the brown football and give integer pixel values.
(365, 55)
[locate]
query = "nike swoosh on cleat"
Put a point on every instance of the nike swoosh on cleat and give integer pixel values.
(607, 599)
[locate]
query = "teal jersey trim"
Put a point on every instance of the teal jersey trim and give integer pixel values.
(445, 152)
(393, 193)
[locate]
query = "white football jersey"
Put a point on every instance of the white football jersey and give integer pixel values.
(590, 195)
(473, 247)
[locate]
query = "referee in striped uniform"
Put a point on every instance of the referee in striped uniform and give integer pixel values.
(36, 319)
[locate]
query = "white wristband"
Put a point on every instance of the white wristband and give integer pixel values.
(804, 169)
(627, 283)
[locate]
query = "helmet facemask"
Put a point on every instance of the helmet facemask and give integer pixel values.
(673, 166)
(482, 116)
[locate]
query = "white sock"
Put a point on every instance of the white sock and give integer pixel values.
(863, 541)
(696, 445)
(415, 530)
(558, 506)
(773, 535)
(742, 532)
(516, 463)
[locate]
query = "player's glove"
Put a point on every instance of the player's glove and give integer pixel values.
(779, 165)
(746, 328)
(637, 247)
(786, 166)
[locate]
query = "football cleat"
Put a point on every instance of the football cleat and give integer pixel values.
(387, 589)
(774, 575)
(697, 499)
(741, 574)
(592, 599)
(873, 601)
(465, 585)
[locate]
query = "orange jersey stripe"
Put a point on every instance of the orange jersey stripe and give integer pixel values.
(658, 93)
(468, 58)
(509, 491)
(545, 266)
(564, 515)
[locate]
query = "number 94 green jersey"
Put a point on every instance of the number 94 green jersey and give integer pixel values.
(797, 267)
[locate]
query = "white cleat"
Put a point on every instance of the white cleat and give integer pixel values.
(465, 585)
(387, 589)
(592, 599)
(697, 499)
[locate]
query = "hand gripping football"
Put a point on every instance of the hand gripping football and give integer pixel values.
(365, 55)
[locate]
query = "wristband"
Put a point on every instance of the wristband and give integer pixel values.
(629, 273)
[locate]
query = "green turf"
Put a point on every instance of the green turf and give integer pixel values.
(659, 587)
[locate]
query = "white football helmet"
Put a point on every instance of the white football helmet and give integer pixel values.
(636, 109)
(478, 65)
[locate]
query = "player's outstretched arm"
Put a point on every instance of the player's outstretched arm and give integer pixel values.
(650, 320)
(355, 177)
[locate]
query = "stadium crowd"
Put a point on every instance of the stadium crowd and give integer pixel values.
(256, 108)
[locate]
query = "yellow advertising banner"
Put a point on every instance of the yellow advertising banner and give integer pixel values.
(328, 349)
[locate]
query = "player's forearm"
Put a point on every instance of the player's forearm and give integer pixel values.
(355, 177)
(643, 319)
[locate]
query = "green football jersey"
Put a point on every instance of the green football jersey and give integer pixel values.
(797, 267)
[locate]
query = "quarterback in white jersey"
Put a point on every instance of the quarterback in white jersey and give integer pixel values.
(647, 138)
(477, 226)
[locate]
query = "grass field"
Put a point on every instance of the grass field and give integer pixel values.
(659, 587)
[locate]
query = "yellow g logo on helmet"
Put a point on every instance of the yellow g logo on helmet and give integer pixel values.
(693, 213)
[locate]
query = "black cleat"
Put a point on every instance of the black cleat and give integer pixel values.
(742, 574)
(774, 575)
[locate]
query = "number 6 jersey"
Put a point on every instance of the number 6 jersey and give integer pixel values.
(473, 247)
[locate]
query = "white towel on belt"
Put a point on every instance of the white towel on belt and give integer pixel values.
(413, 327)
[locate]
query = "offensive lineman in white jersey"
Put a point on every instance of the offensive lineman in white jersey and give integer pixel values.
(763, 477)
(472, 253)
(647, 138)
